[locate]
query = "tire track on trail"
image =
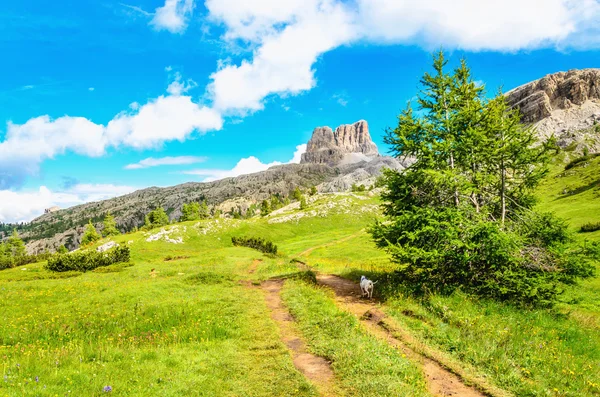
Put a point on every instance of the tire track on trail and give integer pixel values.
(308, 251)
(315, 368)
(441, 381)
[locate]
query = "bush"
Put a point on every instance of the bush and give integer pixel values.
(84, 261)
(590, 227)
(358, 188)
(303, 203)
(8, 262)
(259, 244)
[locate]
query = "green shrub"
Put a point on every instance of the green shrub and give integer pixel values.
(84, 261)
(303, 203)
(358, 188)
(590, 227)
(256, 243)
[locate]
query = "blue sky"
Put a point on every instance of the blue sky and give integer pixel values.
(101, 98)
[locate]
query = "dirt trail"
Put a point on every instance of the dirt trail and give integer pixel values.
(308, 251)
(315, 368)
(441, 382)
(254, 266)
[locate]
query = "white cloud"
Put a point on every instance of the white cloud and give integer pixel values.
(288, 37)
(166, 118)
(248, 165)
(178, 87)
(282, 63)
(91, 89)
(173, 16)
(25, 206)
(341, 98)
(152, 162)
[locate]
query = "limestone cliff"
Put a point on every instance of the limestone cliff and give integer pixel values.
(564, 104)
(333, 147)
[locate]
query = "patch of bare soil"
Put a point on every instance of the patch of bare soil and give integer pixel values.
(441, 382)
(315, 368)
(254, 265)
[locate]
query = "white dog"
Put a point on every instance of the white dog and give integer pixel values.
(366, 286)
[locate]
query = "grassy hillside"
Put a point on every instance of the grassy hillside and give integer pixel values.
(198, 324)
(573, 194)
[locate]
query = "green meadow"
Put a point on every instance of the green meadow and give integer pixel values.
(191, 318)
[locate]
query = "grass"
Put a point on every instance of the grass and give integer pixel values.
(362, 363)
(193, 327)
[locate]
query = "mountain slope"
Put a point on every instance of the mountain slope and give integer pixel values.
(351, 159)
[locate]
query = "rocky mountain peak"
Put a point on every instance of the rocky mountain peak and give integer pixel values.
(349, 142)
(563, 90)
(565, 105)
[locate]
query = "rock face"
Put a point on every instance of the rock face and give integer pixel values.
(538, 99)
(565, 105)
(333, 147)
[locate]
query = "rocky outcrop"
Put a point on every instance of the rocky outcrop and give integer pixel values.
(565, 105)
(333, 147)
(564, 90)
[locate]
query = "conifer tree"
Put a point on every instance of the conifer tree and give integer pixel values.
(15, 246)
(90, 235)
(110, 226)
(461, 215)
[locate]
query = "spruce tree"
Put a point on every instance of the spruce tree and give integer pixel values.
(265, 208)
(16, 246)
(461, 215)
(203, 211)
(110, 226)
(90, 235)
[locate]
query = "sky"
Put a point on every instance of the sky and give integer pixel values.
(101, 98)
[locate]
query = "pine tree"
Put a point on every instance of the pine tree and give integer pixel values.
(297, 194)
(158, 217)
(110, 226)
(16, 246)
(203, 211)
(190, 212)
(265, 208)
(461, 214)
(90, 235)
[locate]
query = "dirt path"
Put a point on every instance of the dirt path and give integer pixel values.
(308, 251)
(315, 368)
(254, 266)
(441, 382)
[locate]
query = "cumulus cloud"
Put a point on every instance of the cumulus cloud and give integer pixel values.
(282, 63)
(25, 206)
(163, 119)
(173, 16)
(248, 165)
(152, 162)
(289, 37)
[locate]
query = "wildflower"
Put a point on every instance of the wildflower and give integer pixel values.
(107, 389)
(37, 378)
